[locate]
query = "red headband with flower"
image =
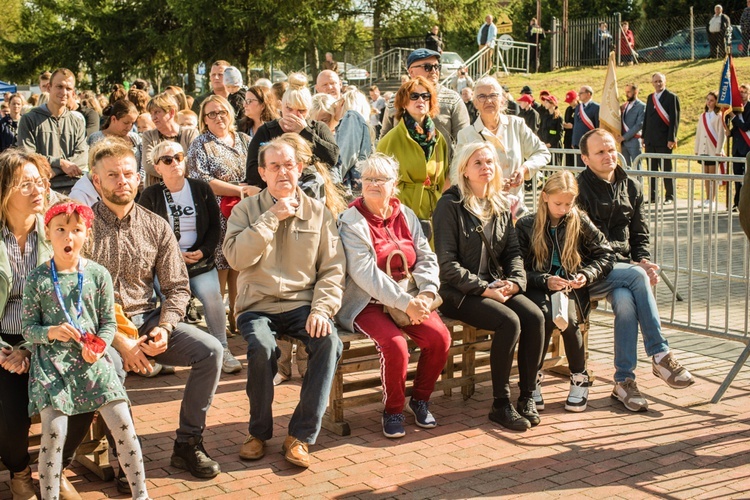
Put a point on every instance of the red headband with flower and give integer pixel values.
(68, 208)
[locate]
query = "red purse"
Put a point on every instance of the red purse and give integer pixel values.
(227, 204)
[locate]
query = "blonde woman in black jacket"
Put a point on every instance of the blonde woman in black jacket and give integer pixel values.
(563, 250)
(482, 283)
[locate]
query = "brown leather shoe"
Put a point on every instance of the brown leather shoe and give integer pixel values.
(67, 490)
(21, 486)
(295, 452)
(253, 448)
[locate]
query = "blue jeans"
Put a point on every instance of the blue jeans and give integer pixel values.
(628, 289)
(205, 287)
(192, 347)
(260, 331)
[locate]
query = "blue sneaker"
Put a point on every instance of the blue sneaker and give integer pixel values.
(393, 425)
(422, 415)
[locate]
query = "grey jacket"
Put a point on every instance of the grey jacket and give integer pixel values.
(62, 138)
(634, 120)
(364, 281)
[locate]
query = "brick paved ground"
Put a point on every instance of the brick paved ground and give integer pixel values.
(684, 447)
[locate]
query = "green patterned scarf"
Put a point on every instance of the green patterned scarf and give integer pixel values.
(424, 135)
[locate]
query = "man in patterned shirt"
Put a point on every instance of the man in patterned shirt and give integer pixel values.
(135, 245)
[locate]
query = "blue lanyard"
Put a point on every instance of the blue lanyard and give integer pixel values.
(79, 307)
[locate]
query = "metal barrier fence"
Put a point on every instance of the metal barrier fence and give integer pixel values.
(703, 253)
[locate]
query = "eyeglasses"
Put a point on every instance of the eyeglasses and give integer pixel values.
(26, 188)
(376, 181)
(429, 67)
(167, 160)
(414, 96)
(250, 101)
(277, 167)
(215, 114)
(488, 97)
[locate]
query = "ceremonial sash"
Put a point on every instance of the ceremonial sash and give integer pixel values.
(710, 132)
(744, 134)
(660, 110)
(625, 108)
(585, 118)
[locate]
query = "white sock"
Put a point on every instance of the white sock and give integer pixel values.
(659, 356)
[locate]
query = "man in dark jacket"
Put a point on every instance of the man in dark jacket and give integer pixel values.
(740, 133)
(614, 203)
(660, 125)
(586, 114)
(529, 115)
(434, 40)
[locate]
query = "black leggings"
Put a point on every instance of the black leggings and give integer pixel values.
(518, 321)
(572, 338)
(15, 423)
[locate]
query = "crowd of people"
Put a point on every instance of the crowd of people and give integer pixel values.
(309, 219)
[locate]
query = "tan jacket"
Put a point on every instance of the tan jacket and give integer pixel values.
(287, 264)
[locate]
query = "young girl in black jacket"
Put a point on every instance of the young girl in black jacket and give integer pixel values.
(482, 283)
(563, 250)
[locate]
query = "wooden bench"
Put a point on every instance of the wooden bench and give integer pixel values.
(93, 453)
(357, 380)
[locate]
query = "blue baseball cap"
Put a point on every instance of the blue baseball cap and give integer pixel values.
(420, 54)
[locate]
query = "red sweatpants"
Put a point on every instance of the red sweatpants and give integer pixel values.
(433, 340)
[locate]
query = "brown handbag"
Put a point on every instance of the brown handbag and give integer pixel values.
(409, 285)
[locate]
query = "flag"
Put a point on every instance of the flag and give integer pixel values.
(609, 111)
(729, 90)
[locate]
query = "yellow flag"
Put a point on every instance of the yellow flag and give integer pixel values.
(609, 112)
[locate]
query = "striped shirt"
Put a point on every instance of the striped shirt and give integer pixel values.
(21, 265)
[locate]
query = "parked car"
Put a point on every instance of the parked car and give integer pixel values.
(450, 62)
(352, 73)
(677, 46)
(277, 76)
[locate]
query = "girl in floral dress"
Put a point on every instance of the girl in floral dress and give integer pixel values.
(69, 318)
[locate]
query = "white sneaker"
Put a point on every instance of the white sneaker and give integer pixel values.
(279, 379)
(230, 363)
(536, 395)
(579, 392)
(672, 372)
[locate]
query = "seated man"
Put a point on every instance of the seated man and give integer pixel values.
(614, 202)
(287, 249)
(135, 245)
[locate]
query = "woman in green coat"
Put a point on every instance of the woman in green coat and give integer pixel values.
(420, 150)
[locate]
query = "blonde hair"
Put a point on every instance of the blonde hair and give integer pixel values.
(561, 182)
(297, 96)
(164, 101)
(224, 105)
(303, 153)
(494, 202)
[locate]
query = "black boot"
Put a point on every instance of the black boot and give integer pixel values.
(191, 456)
(504, 414)
(527, 409)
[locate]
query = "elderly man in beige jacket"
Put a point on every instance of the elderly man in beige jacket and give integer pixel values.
(286, 248)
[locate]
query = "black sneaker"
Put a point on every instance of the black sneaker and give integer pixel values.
(527, 409)
(508, 417)
(393, 425)
(192, 456)
(123, 486)
(192, 315)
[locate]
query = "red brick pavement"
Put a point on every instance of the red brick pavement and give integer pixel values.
(684, 447)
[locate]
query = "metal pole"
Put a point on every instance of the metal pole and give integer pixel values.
(692, 35)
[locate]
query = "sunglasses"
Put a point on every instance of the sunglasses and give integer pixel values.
(429, 67)
(414, 96)
(167, 160)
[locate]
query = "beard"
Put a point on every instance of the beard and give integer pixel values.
(118, 199)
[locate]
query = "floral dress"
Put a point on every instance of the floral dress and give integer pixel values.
(209, 158)
(59, 376)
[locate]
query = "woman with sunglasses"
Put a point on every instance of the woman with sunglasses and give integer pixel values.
(520, 152)
(24, 183)
(260, 107)
(190, 207)
(218, 157)
(421, 151)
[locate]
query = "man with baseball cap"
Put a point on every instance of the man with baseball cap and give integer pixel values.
(571, 98)
(452, 116)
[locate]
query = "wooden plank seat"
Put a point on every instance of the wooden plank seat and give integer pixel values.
(357, 380)
(93, 453)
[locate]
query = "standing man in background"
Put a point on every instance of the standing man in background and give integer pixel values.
(740, 134)
(433, 40)
(633, 113)
(660, 125)
(486, 38)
